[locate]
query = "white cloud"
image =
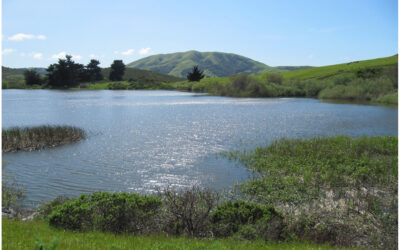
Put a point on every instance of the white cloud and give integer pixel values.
(62, 55)
(116, 52)
(128, 52)
(59, 55)
(7, 51)
(144, 51)
(22, 54)
(92, 56)
(37, 55)
(22, 36)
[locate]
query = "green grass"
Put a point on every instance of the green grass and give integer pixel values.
(32, 138)
(331, 70)
(23, 235)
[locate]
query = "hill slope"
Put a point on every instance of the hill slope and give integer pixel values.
(332, 70)
(142, 76)
(214, 64)
(16, 75)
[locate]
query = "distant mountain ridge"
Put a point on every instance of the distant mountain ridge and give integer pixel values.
(213, 63)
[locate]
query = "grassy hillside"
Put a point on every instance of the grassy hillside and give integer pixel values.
(332, 70)
(213, 63)
(16, 75)
(143, 76)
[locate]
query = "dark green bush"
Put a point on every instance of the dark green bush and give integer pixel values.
(275, 78)
(118, 213)
(248, 220)
(45, 210)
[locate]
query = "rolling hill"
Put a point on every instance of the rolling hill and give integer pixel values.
(214, 64)
(332, 70)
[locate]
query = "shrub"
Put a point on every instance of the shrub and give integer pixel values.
(275, 78)
(45, 210)
(249, 220)
(188, 212)
(118, 213)
(391, 98)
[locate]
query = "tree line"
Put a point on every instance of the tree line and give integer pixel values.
(67, 73)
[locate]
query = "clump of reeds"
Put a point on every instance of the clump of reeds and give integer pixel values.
(33, 138)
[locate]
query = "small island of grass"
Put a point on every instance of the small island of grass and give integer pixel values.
(33, 138)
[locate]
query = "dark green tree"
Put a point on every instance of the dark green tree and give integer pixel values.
(196, 75)
(117, 70)
(92, 71)
(64, 74)
(32, 77)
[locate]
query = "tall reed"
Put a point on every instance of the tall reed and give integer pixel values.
(33, 138)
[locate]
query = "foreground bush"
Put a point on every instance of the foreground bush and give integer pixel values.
(247, 220)
(188, 212)
(339, 190)
(118, 213)
(191, 212)
(32, 138)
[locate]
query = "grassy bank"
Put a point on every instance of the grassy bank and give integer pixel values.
(32, 138)
(340, 190)
(28, 235)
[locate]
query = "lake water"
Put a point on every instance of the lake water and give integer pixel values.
(140, 140)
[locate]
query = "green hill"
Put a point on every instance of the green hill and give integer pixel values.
(143, 76)
(337, 69)
(16, 75)
(214, 64)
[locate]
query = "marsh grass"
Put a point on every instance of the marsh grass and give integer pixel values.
(33, 138)
(340, 190)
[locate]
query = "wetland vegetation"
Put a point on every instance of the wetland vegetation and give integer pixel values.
(33, 138)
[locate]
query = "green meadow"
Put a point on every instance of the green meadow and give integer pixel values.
(39, 235)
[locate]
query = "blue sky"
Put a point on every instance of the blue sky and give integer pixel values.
(321, 32)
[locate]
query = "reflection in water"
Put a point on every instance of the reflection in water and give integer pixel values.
(141, 140)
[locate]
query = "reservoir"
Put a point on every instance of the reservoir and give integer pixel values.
(139, 141)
